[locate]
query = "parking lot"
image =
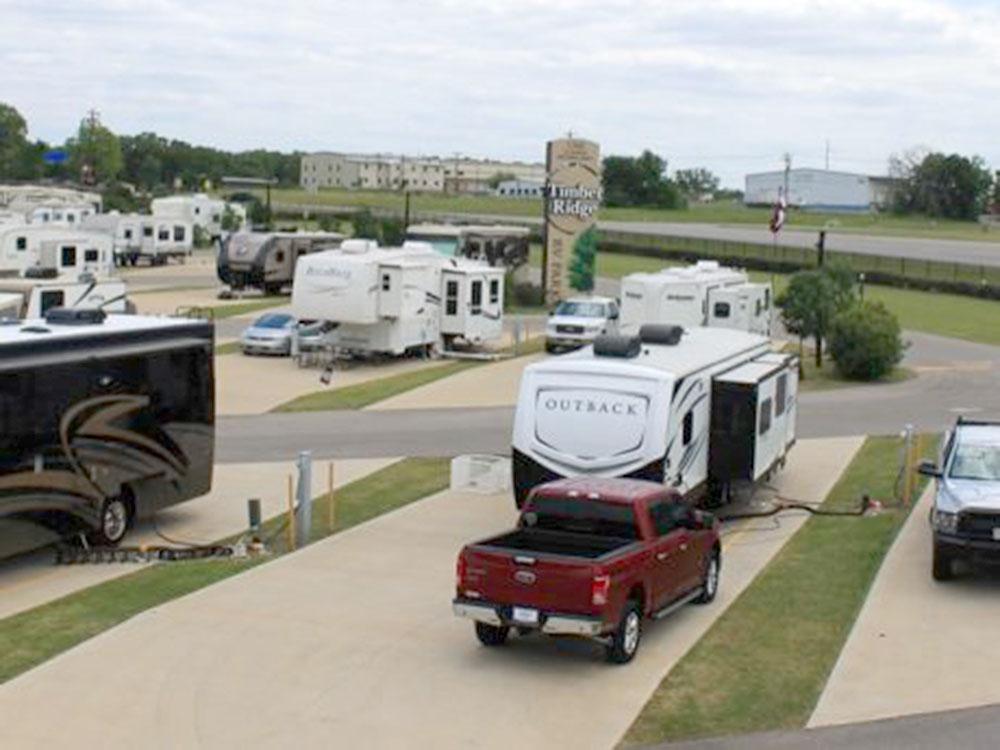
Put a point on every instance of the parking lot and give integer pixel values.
(352, 642)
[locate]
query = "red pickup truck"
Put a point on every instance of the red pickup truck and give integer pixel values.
(590, 557)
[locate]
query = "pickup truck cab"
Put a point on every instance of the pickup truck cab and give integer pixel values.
(965, 517)
(590, 557)
(578, 321)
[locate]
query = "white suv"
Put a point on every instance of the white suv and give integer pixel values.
(578, 321)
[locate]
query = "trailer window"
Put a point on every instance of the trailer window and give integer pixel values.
(765, 416)
(178, 234)
(90, 256)
(687, 428)
(128, 234)
(50, 299)
(163, 233)
(147, 231)
(22, 243)
(721, 310)
(386, 282)
(780, 394)
(68, 255)
(451, 298)
(477, 297)
(279, 257)
(494, 291)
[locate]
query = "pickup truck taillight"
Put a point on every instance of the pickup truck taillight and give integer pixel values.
(599, 587)
(460, 571)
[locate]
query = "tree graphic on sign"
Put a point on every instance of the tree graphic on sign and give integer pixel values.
(583, 260)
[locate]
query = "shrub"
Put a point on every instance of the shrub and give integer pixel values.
(865, 342)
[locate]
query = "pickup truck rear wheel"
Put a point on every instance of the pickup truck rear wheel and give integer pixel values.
(943, 565)
(625, 640)
(491, 635)
(710, 583)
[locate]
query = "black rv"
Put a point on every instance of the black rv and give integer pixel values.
(266, 260)
(103, 419)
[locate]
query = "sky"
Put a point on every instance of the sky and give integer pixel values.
(730, 85)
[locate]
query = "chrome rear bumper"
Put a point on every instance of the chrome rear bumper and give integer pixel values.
(551, 624)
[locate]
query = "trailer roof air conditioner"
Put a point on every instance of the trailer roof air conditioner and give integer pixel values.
(625, 347)
(74, 316)
(661, 333)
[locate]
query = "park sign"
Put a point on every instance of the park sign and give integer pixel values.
(572, 196)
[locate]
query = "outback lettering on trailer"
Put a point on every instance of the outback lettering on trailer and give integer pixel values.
(589, 406)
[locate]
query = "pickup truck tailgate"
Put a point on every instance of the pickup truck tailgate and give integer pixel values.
(548, 583)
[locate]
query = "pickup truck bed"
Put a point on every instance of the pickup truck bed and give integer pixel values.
(541, 541)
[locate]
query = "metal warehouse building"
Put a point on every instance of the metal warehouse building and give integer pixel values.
(819, 189)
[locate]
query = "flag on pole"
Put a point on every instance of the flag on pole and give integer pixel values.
(778, 215)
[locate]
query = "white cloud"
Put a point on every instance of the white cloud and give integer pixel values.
(730, 84)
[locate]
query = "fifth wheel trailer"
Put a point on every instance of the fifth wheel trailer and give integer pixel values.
(398, 300)
(68, 250)
(34, 297)
(102, 420)
(699, 409)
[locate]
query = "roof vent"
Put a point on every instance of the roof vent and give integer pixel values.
(661, 333)
(72, 316)
(625, 347)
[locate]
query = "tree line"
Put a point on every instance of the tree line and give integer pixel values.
(147, 162)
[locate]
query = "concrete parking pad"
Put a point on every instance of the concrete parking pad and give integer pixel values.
(351, 643)
(917, 645)
(32, 580)
(257, 384)
(495, 384)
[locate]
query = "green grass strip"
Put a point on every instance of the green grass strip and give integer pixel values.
(370, 392)
(231, 347)
(29, 638)
(245, 308)
(763, 664)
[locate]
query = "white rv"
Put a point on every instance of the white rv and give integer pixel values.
(68, 250)
(396, 300)
(138, 237)
(33, 297)
(702, 294)
(701, 409)
(497, 244)
(67, 214)
(197, 209)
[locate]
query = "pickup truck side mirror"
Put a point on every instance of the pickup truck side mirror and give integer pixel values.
(929, 469)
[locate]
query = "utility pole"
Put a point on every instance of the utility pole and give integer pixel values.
(788, 168)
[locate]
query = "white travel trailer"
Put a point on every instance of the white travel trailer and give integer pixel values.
(33, 298)
(701, 409)
(394, 300)
(198, 210)
(701, 294)
(138, 237)
(67, 250)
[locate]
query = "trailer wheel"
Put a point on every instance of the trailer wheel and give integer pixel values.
(491, 635)
(116, 519)
(625, 640)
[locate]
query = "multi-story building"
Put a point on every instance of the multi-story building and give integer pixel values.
(391, 172)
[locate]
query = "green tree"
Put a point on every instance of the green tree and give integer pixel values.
(13, 141)
(696, 182)
(365, 225)
(865, 341)
(582, 263)
(95, 153)
(639, 181)
(946, 185)
(231, 221)
(499, 177)
(813, 299)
